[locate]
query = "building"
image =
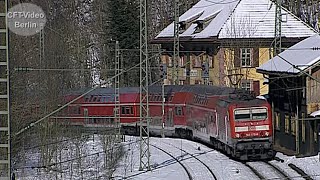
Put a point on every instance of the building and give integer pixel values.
(294, 91)
(223, 43)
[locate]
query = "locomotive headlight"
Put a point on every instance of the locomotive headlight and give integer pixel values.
(240, 147)
(237, 135)
(266, 133)
(266, 145)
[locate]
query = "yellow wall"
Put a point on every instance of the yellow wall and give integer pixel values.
(248, 73)
(313, 93)
(226, 56)
(195, 72)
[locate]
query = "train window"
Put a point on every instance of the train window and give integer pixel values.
(94, 99)
(259, 114)
(212, 119)
(242, 114)
(109, 98)
(126, 110)
(222, 103)
(179, 111)
(251, 114)
(74, 110)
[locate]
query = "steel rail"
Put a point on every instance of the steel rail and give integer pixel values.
(184, 167)
(207, 167)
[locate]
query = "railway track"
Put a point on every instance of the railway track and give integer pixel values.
(266, 170)
(184, 167)
(296, 170)
(281, 172)
(195, 157)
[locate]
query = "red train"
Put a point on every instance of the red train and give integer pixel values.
(233, 121)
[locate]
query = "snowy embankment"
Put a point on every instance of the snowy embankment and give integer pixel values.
(81, 158)
(87, 159)
(222, 166)
(310, 165)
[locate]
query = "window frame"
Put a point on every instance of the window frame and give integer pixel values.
(250, 114)
(293, 125)
(127, 110)
(246, 82)
(178, 111)
(287, 123)
(197, 61)
(277, 120)
(246, 57)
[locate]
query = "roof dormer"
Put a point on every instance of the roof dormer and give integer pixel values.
(185, 23)
(204, 20)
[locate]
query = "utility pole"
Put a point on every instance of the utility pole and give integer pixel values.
(5, 142)
(117, 92)
(176, 45)
(144, 90)
(162, 109)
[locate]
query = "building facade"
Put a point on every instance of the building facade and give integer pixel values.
(295, 95)
(223, 44)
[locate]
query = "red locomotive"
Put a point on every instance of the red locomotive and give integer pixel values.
(232, 121)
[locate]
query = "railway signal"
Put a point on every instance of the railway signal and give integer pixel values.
(163, 71)
(205, 70)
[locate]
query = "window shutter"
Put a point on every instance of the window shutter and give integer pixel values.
(236, 59)
(256, 87)
(193, 60)
(255, 57)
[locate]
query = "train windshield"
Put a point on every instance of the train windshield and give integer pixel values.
(250, 114)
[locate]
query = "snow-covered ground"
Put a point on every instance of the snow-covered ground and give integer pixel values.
(164, 167)
(310, 165)
(222, 166)
(83, 158)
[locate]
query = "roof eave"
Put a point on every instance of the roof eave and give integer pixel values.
(263, 71)
(169, 40)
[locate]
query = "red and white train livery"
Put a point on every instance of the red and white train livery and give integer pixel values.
(232, 121)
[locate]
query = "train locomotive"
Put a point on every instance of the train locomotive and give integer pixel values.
(232, 121)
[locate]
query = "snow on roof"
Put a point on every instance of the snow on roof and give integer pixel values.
(316, 113)
(300, 55)
(238, 19)
(205, 9)
(256, 19)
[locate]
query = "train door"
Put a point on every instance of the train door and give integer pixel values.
(207, 123)
(213, 124)
(170, 118)
(86, 114)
